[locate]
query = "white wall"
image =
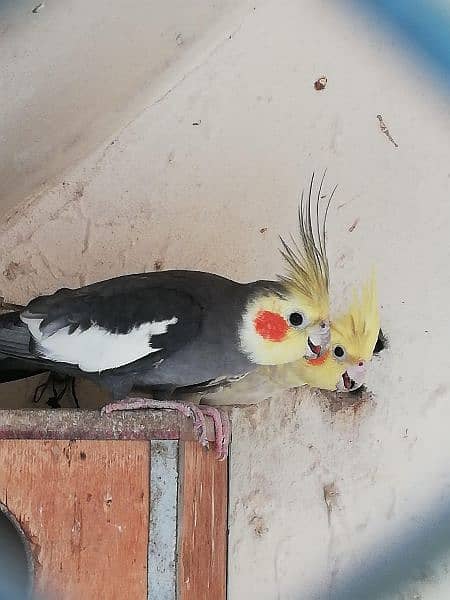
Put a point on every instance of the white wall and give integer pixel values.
(322, 500)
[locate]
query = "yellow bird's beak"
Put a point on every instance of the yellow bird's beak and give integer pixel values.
(318, 341)
(353, 378)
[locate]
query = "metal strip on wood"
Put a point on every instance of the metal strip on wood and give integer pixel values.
(163, 520)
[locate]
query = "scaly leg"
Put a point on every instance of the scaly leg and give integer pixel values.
(188, 410)
(222, 429)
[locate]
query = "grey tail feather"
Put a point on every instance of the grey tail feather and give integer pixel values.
(14, 337)
(14, 369)
(16, 344)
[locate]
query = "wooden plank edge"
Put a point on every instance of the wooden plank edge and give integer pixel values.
(71, 424)
(192, 463)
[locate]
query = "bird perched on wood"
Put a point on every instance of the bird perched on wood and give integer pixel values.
(170, 329)
(355, 337)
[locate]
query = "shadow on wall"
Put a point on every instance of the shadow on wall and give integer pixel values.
(422, 25)
(16, 561)
(16, 574)
(401, 561)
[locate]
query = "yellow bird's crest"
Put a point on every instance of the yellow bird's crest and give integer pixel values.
(357, 330)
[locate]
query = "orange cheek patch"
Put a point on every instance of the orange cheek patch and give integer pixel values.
(271, 326)
(319, 360)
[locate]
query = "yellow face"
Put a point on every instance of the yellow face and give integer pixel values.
(350, 360)
(353, 339)
(337, 369)
(354, 336)
(279, 329)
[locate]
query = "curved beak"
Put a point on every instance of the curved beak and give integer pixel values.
(352, 379)
(318, 340)
(346, 383)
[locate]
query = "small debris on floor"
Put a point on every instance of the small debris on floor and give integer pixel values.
(263, 230)
(197, 122)
(258, 525)
(330, 494)
(38, 8)
(13, 270)
(385, 130)
(353, 225)
(320, 84)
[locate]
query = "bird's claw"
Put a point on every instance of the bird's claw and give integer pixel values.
(220, 419)
(222, 430)
(129, 404)
(198, 417)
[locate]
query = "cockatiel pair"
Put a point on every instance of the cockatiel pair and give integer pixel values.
(173, 331)
(355, 338)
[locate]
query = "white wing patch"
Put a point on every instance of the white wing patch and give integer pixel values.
(97, 349)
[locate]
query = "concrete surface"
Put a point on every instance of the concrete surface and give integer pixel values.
(72, 72)
(325, 504)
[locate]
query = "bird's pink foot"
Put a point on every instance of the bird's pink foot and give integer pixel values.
(199, 424)
(188, 410)
(222, 429)
(137, 403)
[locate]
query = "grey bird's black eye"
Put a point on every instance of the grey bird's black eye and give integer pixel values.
(339, 351)
(296, 319)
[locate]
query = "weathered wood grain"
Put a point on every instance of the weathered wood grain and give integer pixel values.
(202, 525)
(84, 507)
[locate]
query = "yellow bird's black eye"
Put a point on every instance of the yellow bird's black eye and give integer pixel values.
(339, 351)
(296, 319)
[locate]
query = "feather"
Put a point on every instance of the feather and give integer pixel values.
(360, 325)
(307, 262)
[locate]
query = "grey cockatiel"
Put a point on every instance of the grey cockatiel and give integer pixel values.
(166, 330)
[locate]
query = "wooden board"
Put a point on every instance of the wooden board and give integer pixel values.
(84, 507)
(202, 525)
